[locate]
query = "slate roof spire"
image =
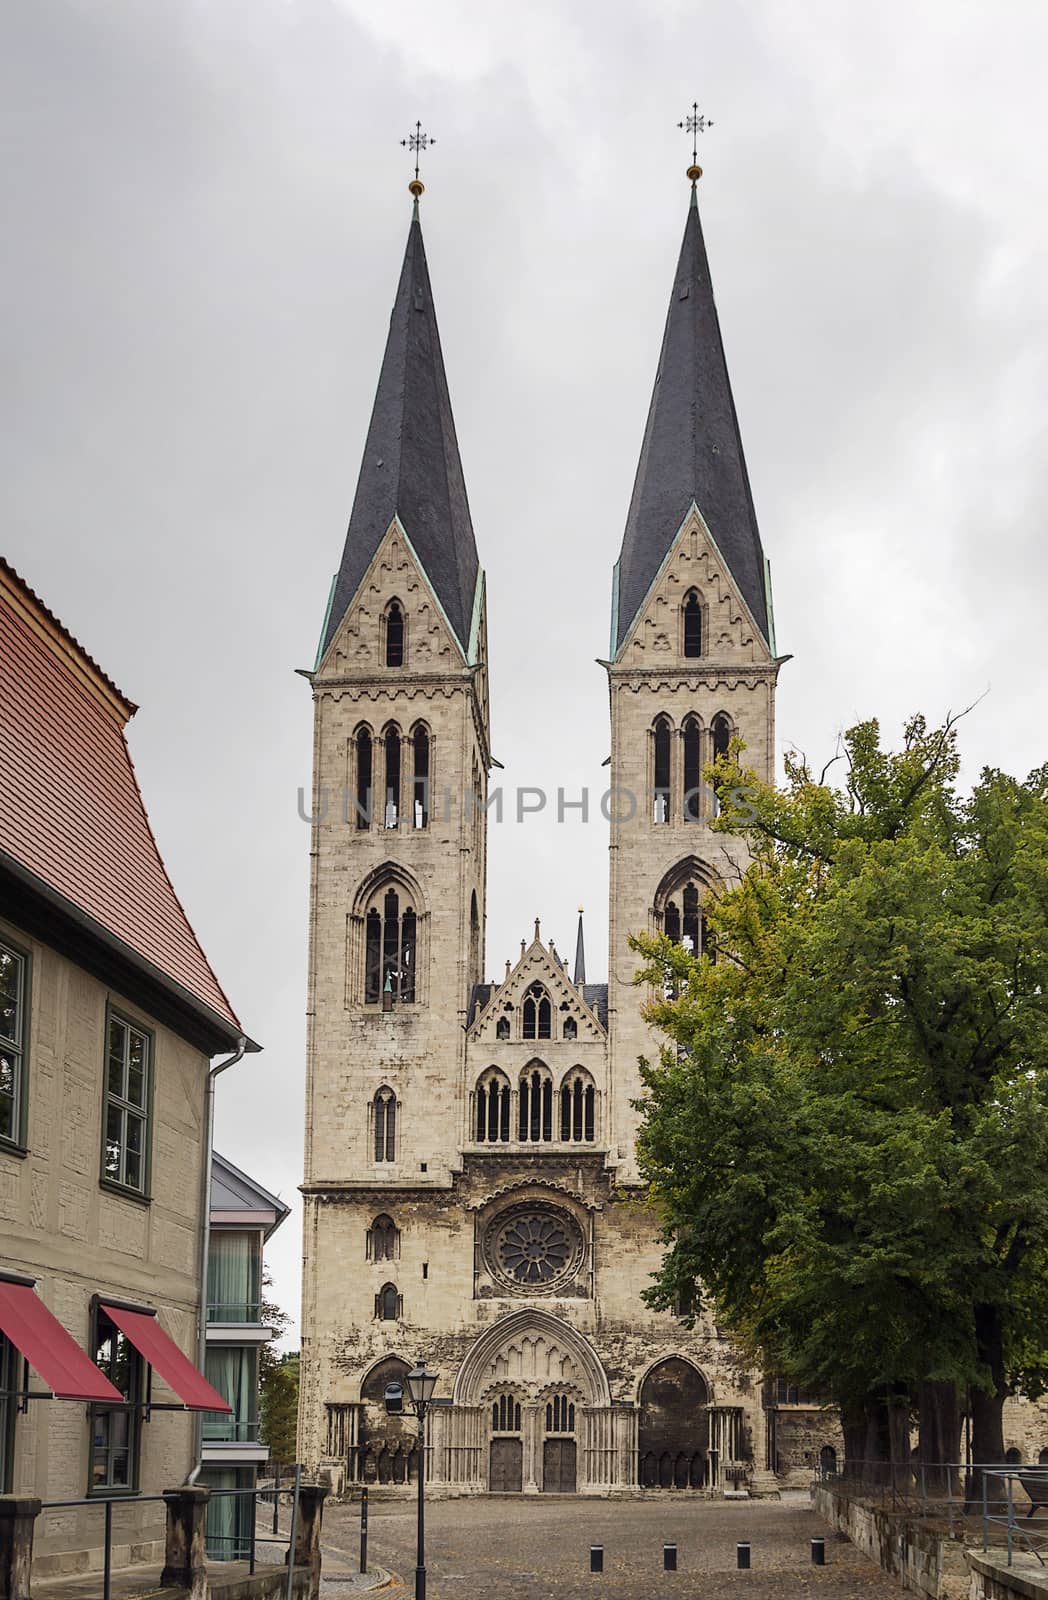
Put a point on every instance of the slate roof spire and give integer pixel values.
(580, 954)
(692, 449)
(411, 466)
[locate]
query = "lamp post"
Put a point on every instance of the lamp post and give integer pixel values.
(421, 1386)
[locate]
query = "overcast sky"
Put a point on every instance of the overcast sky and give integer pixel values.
(205, 214)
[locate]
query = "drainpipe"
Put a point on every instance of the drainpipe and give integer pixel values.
(205, 1235)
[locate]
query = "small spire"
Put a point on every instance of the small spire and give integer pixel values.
(536, 930)
(580, 956)
(508, 968)
(523, 946)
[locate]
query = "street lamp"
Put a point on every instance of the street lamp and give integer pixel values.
(421, 1387)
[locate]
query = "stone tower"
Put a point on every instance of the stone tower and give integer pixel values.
(471, 1189)
(692, 658)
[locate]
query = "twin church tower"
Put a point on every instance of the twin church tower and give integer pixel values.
(471, 1189)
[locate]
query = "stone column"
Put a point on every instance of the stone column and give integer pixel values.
(311, 1498)
(532, 1435)
(627, 1446)
(185, 1557)
(17, 1522)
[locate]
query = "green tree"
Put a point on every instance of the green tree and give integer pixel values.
(278, 1384)
(848, 1132)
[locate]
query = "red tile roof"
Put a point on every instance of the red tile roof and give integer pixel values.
(71, 811)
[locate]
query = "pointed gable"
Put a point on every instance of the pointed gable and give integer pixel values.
(537, 964)
(692, 451)
(411, 467)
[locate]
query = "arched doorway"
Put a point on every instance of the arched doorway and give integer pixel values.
(674, 1430)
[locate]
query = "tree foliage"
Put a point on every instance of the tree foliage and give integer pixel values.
(278, 1384)
(848, 1131)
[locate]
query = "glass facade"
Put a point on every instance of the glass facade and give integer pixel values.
(229, 1515)
(233, 1370)
(234, 1276)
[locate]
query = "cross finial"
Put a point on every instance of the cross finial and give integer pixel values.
(695, 124)
(417, 142)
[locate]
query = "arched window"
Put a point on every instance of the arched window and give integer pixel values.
(692, 618)
(720, 730)
(571, 1028)
(692, 741)
(1013, 1457)
(535, 1104)
(390, 947)
(383, 1240)
(492, 1108)
(679, 905)
(560, 1414)
(391, 743)
(387, 1303)
(505, 1414)
(394, 635)
(363, 777)
(420, 783)
(384, 1117)
(502, 1028)
(578, 1108)
(537, 1021)
(662, 746)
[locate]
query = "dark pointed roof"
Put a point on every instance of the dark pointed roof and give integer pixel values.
(411, 466)
(692, 450)
(580, 954)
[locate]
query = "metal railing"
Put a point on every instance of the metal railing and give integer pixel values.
(289, 1489)
(997, 1500)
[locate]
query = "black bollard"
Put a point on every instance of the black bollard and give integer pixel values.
(818, 1552)
(669, 1558)
(596, 1558)
(364, 1528)
(742, 1556)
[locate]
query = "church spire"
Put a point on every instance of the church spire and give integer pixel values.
(692, 450)
(411, 467)
(580, 955)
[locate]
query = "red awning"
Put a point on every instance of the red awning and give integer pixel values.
(164, 1356)
(67, 1370)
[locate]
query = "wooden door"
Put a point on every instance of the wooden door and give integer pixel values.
(558, 1466)
(506, 1471)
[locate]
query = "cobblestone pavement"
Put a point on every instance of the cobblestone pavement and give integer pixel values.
(527, 1549)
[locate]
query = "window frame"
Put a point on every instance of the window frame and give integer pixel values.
(114, 1014)
(16, 1143)
(133, 1406)
(11, 1368)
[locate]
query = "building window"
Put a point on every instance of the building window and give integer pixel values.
(662, 746)
(692, 617)
(682, 919)
(229, 1515)
(578, 1108)
(571, 1028)
(234, 1276)
(535, 1102)
(10, 1384)
(692, 741)
(125, 1159)
(538, 1014)
(560, 1414)
(383, 1239)
(115, 1429)
(492, 1108)
(388, 1304)
(720, 729)
(14, 1027)
(394, 635)
(233, 1370)
(420, 782)
(365, 754)
(390, 940)
(391, 745)
(502, 1028)
(384, 1113)
(505, 1414)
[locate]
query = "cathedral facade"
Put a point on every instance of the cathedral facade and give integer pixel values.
(471, 1188)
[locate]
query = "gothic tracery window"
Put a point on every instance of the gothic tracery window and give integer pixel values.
(535, 1104)
(383, 1239)
(384, 1120)
(578, 1108)
(364, 755)
(662, 746)
(394, 635)
(692, 619)
(505, 1414)
(492, 1108)
(537, 1020)
(692, 742)
(390, 947)
(720, 731)
(421, 777)
(560, 1414)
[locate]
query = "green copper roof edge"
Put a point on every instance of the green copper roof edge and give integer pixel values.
(614, 610)
(324, 624)
(770, 606)
(615, 654)
(478, 611)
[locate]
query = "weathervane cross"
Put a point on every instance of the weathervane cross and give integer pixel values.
(695, 124)
(417, 142)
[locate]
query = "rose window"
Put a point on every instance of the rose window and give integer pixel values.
(534, 1247)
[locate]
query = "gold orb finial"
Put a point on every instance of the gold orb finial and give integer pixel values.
(694, 173)
(416, 188)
